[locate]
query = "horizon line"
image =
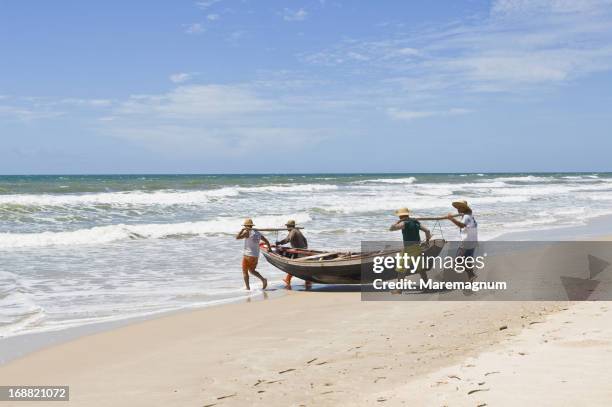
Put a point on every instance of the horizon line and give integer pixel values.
(300, 173)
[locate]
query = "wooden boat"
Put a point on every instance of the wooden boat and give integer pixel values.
(335, 267)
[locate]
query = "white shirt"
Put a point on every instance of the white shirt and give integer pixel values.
(469, 234)
(251, 243)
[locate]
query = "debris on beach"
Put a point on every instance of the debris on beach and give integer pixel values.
(476, 391)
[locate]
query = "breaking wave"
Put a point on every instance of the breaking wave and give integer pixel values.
(118, 232)
(163, 197)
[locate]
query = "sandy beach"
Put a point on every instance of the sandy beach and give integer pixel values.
(328, 347)
(305, 348)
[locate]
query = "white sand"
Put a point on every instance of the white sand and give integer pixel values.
(564, 361)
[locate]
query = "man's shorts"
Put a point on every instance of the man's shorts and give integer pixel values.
(413, 251)
(249, 263)
(461, 252)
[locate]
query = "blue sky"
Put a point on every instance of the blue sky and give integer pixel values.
(305, 86)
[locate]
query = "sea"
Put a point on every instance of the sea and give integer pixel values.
(83, 249)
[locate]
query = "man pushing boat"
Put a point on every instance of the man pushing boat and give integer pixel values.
(296, 239)
(411, 236)
(250, 256)
(469, 232)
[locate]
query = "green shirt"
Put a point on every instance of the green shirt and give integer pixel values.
(410, 231)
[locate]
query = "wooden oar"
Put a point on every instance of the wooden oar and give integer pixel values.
(439, 217)
(276, 229)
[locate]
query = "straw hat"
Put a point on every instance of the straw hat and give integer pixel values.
(462, 205)
(402, 212)
(290, 223)
(248, 222)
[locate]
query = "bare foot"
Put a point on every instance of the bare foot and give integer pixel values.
(265, 283)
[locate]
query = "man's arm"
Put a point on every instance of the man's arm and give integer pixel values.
(265, 241)
(451, 217)
(243, 234)
(286, 239)
(427, 232)
(397, 225)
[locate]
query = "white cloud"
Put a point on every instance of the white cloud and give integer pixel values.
(195, 101)
(218, 120)
(194, 28)
(205, 4)
(236, 35)
(212, 17)
(26, 114)
(521, 44)
(86, 102)
(180, 77)
(398, 114)
(295, 15)
(526, 7)
(32, 108)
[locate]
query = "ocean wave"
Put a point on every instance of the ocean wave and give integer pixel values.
(408, 180)
(162, 197)
(118, 232)
(416, 203)
(525, 178)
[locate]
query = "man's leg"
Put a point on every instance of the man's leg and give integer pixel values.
(252, 265)
(288, 277)
(423, 275)
(245, 272)
(264, 282)
(469, 253)
(464, 253)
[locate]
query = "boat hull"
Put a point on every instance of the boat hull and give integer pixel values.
(337, 271)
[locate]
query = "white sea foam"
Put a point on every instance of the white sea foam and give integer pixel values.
(526, 178)
(408, 180)
(117, 232)
(163, 197)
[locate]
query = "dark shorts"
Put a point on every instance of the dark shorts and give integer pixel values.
(466, 252)
(249, 263)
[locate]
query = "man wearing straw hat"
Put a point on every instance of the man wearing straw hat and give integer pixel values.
(297, 240)
(469, 232)
(411, 235)
(251, 252)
